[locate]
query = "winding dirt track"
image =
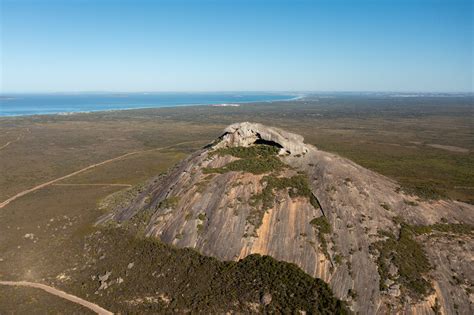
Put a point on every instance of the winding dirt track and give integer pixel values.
(25, 192)
(13, 141)
(8, 143)
(94, 307)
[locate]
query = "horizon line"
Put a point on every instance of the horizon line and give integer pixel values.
(235, 91)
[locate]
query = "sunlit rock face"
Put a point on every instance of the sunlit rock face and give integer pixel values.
(245, 134)
(218, 214)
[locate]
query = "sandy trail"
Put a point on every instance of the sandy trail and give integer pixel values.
(13, 141)
(94, 307)
(25, 192)
(101, 184)
(8, 143)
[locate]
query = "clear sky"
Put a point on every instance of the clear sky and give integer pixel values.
(179, 45)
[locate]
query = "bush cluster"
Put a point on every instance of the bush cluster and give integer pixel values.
(170, 202)
(297, 187)
(454, 228)
(322, 227)
(257, 159)
(408, 256)
(196, 283)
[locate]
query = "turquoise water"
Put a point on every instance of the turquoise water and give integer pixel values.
(35, 104)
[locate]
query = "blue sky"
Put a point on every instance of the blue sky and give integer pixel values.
(379, 45)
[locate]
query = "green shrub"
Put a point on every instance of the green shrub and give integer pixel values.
(297, 187)
(425, 191)
(254, 166)
(321, 224)
(408, 256)
(410, 203)
(195, 283)
(170, 202)
(200, 228)
(255, 151)
(455, 228)
(322, 227)
(258, 159)
(352, 293)
(201, 186)
(337, 259)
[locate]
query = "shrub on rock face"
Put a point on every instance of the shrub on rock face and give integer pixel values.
(200, 284)
(258, 159)
(322, 227)
(409, 258)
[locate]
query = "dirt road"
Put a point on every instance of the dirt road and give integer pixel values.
(94, 307)
(25, 192)
(17, 139)
(117, 185)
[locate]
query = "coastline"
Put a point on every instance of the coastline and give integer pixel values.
(71, 113)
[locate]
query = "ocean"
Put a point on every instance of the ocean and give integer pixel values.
(59, 103)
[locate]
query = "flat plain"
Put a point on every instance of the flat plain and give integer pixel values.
(424, 143)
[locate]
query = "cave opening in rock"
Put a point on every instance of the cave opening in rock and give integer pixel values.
(268, 142)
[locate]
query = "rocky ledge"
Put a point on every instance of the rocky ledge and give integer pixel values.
(245, 134)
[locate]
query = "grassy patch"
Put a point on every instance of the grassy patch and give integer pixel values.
(256, 151)
(321, 224)
(121, 198)
(200, 227)
(170, 202)
(408, 256)
(201, 186)
(425, 191)
(297, 186)
(258, 159)
(322, 227)
(254, 166)
(410, 203)
(454, 228)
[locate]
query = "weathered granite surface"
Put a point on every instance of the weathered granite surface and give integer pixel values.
(245, 134)
(211, 210)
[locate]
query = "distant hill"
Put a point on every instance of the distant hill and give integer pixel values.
(262, 190)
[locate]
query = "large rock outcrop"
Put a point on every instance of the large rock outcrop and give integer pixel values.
(322, 212)
(245, 134)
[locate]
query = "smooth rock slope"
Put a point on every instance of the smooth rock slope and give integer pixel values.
(259, 189)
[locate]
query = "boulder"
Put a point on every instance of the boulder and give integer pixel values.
(245, 134)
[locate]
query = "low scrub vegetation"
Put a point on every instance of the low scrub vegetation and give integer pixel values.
(182, 280)
(121, 198)
(170, 202)
(425, 191)
(408, 256)
(322, 227)
(254, 166)
(251, 152)
(453, 228)
(258, 159)
(297, 186)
